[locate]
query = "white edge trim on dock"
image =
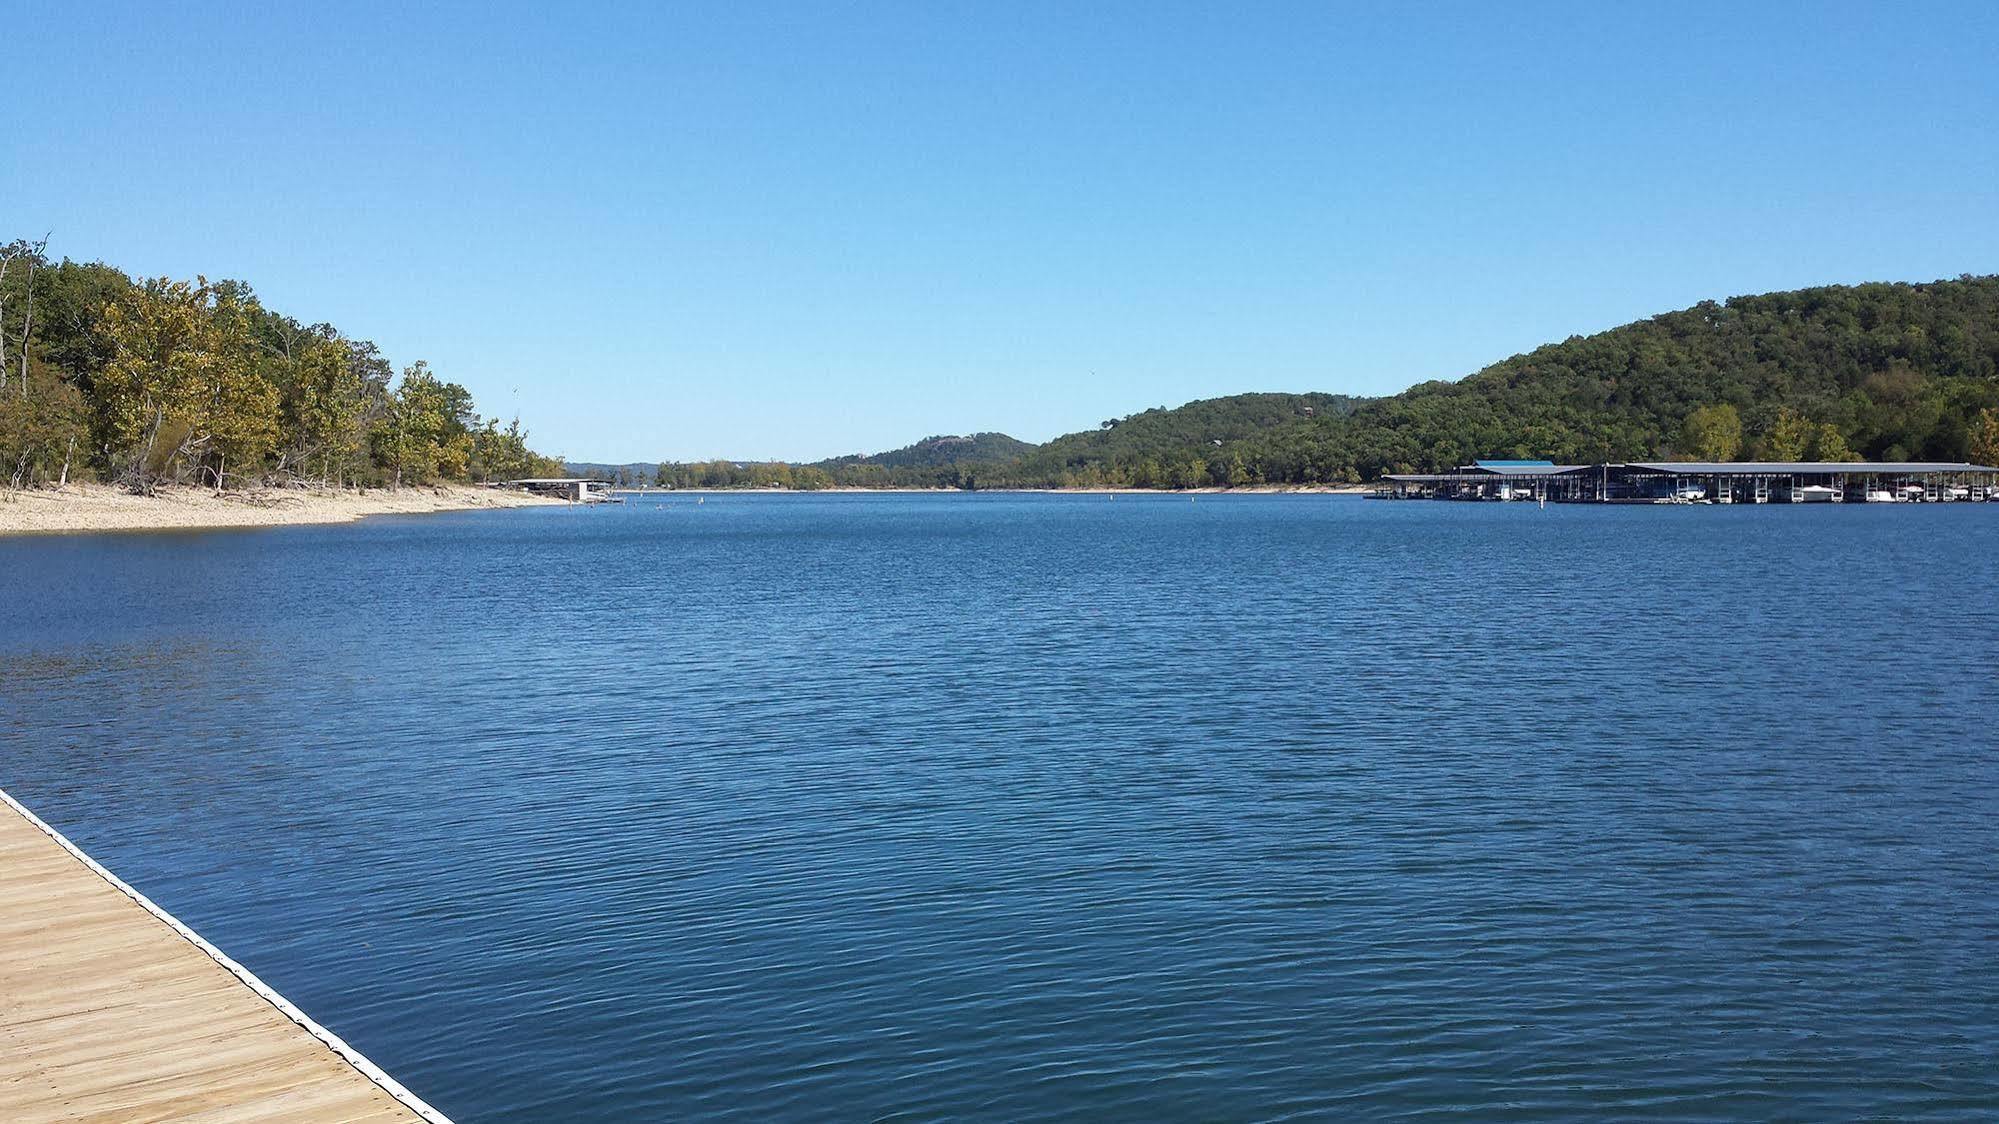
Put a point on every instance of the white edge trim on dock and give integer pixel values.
(333, 1041)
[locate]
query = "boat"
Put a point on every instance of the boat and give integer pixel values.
(1814, 493)
(1692, 493)
(1880, 495)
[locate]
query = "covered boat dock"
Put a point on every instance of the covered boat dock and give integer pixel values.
(1703, 482)
(569, 488)
(1488, 480)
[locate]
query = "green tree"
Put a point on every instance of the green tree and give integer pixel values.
(1713, 433)
(1790, 437)
(411, 442)
(182, 391)
(325, 410)
(1985, 437)
(503, 454)
(44, 429)
(1238, 473)
(1829, 444)
(1190, 473)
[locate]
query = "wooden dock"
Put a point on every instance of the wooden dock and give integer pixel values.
(111, 1010)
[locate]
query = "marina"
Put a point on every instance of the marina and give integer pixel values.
(1677, 482)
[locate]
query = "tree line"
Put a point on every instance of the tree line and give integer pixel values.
(160, 381)
(1884, 372)
(1190, 446)
(146, 382)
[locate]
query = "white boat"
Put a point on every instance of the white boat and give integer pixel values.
(1813, 493)
(1690, 494)
(1957, 492)
(1880, 495)
(1909, 493)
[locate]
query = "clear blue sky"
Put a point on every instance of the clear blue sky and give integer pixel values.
(681, 231)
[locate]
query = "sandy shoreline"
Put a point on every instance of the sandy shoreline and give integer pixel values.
(82, 508)
(88, 508)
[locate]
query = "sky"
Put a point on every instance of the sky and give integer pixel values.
(792, 231)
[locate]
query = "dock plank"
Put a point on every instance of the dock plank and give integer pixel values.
(107, 1013)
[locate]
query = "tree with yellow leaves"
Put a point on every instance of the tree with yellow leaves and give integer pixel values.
(324, 410)
(1789, 438)
(1712, 433)
(182, 395)
(1829, 444)
(1985, 437)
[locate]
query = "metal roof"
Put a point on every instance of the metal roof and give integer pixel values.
(1487, 471)
(1514, 470)
(1805, 468)
(1522, 468)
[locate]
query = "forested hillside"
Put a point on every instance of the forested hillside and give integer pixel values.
(146, 382)
(1199, 444)
(163, 380)
(1188, 446)
(1880, 371)
(932, 452)
(934, 462)
(623, 475)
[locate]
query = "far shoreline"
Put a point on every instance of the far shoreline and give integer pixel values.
(87, 509)
(1244, 489)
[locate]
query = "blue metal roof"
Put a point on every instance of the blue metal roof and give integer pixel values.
(1514, 464)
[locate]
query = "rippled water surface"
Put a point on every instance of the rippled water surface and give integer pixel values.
(1059, 807)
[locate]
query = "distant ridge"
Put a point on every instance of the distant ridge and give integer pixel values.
(932, 452)
(1887, 371)
(940, 452)
(636, 472)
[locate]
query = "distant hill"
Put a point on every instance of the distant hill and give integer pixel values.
(1886, 371)
(1881, 371)
(933, 452)
(638, 472)
(1159, 447)
(931, 462)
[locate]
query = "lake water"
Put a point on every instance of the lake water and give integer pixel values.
(1058, 807)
